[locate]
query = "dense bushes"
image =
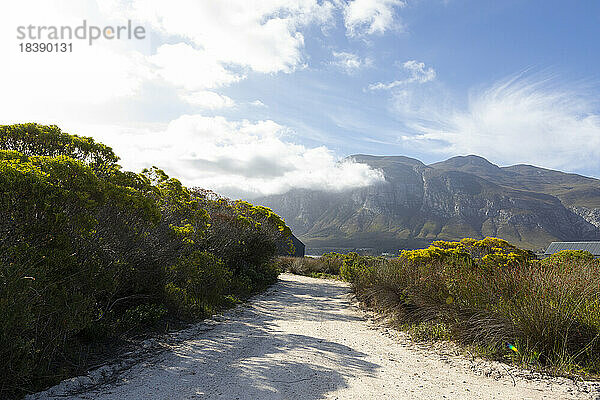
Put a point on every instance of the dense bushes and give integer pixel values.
(356, 266)
(89, 252)
(493, 296)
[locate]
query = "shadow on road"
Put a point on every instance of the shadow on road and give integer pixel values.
(254, 355)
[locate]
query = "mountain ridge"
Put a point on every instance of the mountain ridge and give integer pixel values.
(459, 197)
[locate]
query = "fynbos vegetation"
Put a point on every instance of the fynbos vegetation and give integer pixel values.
(492, 297)
(89, 252)
(327, 265)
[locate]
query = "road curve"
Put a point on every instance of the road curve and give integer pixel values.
(303, 339)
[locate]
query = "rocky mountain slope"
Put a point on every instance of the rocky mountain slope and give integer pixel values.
(459, 197)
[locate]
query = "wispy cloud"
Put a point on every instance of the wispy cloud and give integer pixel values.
(207, 99)
(350, 62)
(416, 71)
(257, 103)
(524, 119)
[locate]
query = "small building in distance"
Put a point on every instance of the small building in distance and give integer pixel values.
(284, 250)
(591, 247)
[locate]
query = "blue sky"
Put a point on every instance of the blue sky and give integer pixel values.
(251, 97)
(470, 44)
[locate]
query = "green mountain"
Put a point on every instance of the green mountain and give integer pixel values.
(456, 198)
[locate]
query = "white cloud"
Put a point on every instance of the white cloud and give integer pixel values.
(262, 35)
(200, 45)
(50, 87)
(534, 120)
(350, 62)
(237, 158)
(94, 76)
(417, 73)
(258, 103)
(182, 65)
(370, 16)
(119, 94)
(207, 99)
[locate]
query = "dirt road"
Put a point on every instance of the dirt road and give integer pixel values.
(303, 339)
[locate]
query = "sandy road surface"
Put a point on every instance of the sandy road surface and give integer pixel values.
(304, 340)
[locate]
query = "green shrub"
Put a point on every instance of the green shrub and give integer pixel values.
(285, 263)
(355, 267)
(568, 257)
(40, 140)
(139, 317)
(89, 253)
(332, 263)
(196, 284)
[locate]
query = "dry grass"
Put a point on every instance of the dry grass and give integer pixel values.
(326, 265)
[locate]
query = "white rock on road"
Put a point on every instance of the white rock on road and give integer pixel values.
(304, 339)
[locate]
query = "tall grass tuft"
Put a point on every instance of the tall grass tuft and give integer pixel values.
(327, 265)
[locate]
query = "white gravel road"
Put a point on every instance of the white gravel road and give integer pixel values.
(304, 339)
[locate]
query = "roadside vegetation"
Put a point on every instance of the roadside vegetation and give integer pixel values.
(91, 254)
(326, 266)
(490, 296)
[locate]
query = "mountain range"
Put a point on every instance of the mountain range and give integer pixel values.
(464, 196)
